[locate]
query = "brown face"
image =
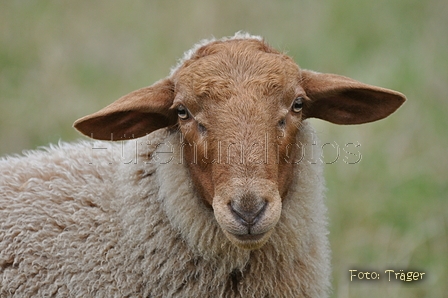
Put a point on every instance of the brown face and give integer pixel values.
(237, 129)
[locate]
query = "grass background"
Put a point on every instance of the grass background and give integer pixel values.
(60, 60)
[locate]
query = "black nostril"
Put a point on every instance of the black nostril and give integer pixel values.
(248, 216)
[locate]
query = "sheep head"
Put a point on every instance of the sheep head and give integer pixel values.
(239, 105)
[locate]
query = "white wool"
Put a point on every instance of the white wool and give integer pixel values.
(97, 219)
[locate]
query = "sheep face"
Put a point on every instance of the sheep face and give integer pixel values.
(239, 105)
(239, 108)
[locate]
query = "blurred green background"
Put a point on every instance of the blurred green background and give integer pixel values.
(60, 60)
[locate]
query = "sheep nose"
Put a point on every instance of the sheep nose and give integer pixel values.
(248, 214)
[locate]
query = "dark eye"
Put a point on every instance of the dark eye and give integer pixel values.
(182, 112)
(297, 104)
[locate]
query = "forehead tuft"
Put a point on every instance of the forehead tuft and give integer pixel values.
(191, 52)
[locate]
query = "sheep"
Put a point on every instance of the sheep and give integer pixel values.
(210, 191)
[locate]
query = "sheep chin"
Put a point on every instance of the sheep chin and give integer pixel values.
(249, 242)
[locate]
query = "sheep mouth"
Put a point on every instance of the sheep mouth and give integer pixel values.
(246, 235)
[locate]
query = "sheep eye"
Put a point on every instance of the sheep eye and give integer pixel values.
(297, 104)
(182, 112)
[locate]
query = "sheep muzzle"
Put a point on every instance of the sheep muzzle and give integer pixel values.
(247, 211)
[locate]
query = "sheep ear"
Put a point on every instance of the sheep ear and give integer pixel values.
(133, 115)
(342, 100)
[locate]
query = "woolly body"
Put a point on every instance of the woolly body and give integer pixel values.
(77, 220)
